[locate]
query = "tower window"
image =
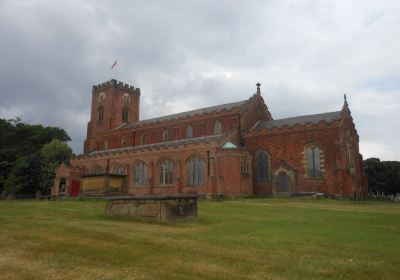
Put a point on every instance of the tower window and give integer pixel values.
(100, 112)
(125, 114)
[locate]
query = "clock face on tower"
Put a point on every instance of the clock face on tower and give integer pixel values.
(126, 97)
(101, 97)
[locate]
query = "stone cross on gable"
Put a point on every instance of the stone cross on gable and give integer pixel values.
(258, 88)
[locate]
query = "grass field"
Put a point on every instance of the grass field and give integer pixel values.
(266, 238)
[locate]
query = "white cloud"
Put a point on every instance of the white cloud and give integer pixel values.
(378, 150)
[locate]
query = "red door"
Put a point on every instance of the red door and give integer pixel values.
(75, 188)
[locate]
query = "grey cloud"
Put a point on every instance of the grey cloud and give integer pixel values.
(192, 54)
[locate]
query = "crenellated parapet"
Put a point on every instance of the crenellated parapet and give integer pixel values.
(116, 84)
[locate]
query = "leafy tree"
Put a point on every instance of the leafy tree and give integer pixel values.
(383, 176)
(52, 155)
(15, 180)
(20, 154)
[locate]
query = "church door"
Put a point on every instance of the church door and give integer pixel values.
(282, 182)
(75, 188)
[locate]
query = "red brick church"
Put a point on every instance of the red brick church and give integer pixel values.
(230, 149)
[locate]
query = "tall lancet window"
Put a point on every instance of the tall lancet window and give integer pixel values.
(100, 112)
(262, 165)
(314, 170)
(196, 171)
(140, 174)
(166, 173)
(125, 115)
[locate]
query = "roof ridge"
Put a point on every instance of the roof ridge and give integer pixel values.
(300, 120)
(309, 115)
(191, 112)
(158, 144)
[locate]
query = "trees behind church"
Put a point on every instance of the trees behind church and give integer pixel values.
(383, 176)
(28, 156)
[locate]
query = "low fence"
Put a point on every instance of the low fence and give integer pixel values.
(383, 196)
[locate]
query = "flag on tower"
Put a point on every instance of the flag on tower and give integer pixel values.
(114, 64)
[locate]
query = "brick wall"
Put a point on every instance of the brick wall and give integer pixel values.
(286, 149)
(113, 96)
(179, 155)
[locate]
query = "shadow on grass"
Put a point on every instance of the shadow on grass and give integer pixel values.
(181, 223)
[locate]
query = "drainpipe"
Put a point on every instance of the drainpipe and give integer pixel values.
(208, 163)
(106, 176)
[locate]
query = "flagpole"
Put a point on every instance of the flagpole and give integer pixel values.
(114, 67)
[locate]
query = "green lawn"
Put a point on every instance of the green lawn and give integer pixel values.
(266, 238)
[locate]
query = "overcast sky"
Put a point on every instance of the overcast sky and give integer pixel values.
(191, 54)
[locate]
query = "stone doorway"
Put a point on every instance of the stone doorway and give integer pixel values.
(62, 186)
(282, 182)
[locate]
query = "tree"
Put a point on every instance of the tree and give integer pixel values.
(15, 180)
(20, 159)
(52, 155)
(383, 176)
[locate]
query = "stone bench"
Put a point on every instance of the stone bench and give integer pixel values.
(154, 207)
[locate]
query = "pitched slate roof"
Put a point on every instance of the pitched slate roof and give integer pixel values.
(300, 120)
(218, 108)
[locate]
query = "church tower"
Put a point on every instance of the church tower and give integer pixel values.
(113, 105)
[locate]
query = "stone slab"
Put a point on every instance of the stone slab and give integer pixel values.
(154, 207)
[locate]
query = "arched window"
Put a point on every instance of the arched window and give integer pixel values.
(165, 135)
(244, 166)
(189, 131)
(143, 139)
(140, 174)
(196, 171)
(125, 114)
(166, 173)
(96, 169)
(218, 127)
(313, 162)
(262, 165)
(106, 144)
(100, 112)
(117, 168)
